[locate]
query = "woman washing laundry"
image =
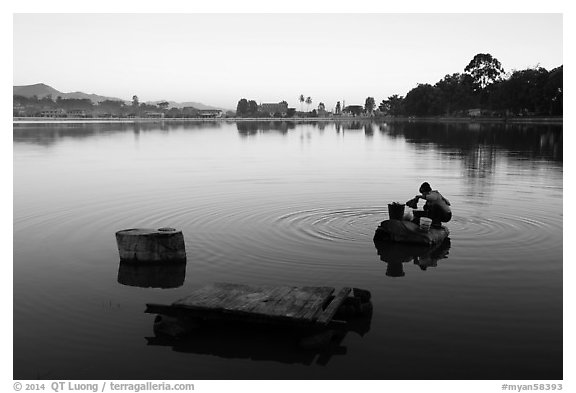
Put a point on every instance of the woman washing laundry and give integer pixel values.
(437, 208)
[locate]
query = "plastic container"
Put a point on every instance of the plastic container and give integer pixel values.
(425, 223)
(396, 211)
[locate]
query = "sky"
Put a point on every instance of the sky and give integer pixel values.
(217, 59)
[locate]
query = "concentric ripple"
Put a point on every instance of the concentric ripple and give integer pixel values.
(333, 225)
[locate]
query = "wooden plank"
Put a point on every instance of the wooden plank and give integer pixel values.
(294, 302)
(309, 301)
(284, 305)
(303, 301)
(316, 305)
(275, 304)
(329, 312)
(265, 300)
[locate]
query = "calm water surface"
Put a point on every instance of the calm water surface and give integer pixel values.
(289, 204)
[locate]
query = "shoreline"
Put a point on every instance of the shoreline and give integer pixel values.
(522, 120)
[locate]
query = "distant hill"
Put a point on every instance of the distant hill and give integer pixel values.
(42, 90)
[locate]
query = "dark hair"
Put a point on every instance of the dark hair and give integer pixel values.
(425, 187)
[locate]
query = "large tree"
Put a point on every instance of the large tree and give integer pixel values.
(242, 107)
(423, 100)
(301, 99)
(393, 106)
(523, 93)
(456, 93)
(553, 89)
(252, 107)
(484, 70)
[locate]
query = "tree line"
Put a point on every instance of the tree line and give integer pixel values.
(484, 89)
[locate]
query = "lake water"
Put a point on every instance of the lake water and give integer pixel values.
(275, 203)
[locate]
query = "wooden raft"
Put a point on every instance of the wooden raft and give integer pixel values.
(296, 306)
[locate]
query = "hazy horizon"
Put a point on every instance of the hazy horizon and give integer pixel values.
(216, 59)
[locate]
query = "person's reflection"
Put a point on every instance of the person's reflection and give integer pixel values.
(396, 254)
(436, 253)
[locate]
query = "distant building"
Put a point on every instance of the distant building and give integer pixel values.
(474, 112)
(209, 113)
(272, 109)
(353, 110)
(154, 115)
(53, 113)
(19, 110)
(190, 111)
(77, 113)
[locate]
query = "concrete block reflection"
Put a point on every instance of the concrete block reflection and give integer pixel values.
(152, 275)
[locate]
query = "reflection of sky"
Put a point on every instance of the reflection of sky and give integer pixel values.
(465, 159)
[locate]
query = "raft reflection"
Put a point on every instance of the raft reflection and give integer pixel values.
(395, 254)
(261, 342)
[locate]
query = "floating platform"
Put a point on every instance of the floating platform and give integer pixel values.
(314, 317)
(300, 307)
(407, 232)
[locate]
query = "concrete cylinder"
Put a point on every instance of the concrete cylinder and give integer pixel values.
(144, 245)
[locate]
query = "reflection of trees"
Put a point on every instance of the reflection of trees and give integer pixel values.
(479, 145)
(247, 127)
(49, 133)
(528, 141)
(480, 162)
(253, 127)
(368, 130)
(353, 125)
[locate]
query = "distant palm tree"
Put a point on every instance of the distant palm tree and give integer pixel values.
(302, 99)
(308, 102)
